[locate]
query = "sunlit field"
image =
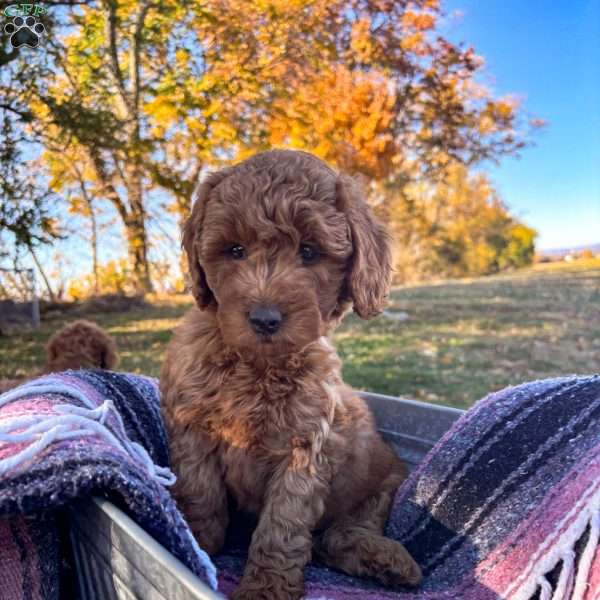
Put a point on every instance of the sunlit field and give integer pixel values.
(462, 339)
(447, 343)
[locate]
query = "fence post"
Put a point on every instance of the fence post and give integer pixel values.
(30, 306)
(35, 304)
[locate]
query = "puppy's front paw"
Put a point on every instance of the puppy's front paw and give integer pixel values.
(242, 594)
(362, 553)
(397, 566)
(264, 586)
(271, 594)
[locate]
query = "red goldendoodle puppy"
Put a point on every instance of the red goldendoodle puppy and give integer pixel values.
(78, 345)
(81, 345)
(279, 246)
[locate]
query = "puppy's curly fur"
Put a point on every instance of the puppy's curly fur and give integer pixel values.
(78, 345)
(81, 345)
(263, 420)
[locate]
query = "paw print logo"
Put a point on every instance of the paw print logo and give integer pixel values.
(25, 31)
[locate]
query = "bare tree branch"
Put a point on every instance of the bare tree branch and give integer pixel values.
(105, 181)
(115, 67)
(24, 114)
(135, 54)
(42, 273)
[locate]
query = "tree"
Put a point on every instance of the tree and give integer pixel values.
(25, 217)
(27, 204)
(519, 250)
(148, 94)
(102, 119)
(71, 174)
(455, 228)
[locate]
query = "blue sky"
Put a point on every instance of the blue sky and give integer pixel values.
(547, 53)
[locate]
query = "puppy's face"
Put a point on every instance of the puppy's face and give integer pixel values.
(275, 262)
(275, 248)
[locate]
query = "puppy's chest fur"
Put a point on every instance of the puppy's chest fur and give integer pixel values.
(264, 425)
(264, 412)
(260, 418)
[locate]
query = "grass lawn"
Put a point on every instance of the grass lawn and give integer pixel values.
(447, 343)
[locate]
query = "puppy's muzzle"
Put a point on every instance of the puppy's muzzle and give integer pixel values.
(265, 320)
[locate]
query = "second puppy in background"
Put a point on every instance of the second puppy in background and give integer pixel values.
(77, 345)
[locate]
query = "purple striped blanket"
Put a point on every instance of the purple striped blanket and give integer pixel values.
(507, 504)
(74, 435)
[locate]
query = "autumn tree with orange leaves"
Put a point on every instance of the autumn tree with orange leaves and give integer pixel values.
(146, 95)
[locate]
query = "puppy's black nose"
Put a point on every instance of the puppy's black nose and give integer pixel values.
(265, 319)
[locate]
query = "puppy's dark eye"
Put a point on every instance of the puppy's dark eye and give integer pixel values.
(236, 252)
(308, 254)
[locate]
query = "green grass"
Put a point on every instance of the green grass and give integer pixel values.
(460, 340)
(141, 334)
(465, 338)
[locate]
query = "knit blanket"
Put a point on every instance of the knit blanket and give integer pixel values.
(506, 505)
(75, 435)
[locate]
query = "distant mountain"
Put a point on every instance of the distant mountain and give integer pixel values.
(595, 248)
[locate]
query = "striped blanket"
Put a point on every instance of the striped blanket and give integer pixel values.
(507, 505)
(70, 436)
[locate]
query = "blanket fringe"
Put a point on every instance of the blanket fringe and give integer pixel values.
(565, 581)
(586, 507)
(545, 588)
(587, 556)
(572, 585)
(69, 422)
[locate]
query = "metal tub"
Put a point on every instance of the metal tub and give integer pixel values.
(116, 559)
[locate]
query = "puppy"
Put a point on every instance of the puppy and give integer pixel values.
(81, 345)
(279, 247)
(78, 345)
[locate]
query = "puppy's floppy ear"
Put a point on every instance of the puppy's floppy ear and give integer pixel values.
(192, 231)
(51, 351)
(370, 269)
